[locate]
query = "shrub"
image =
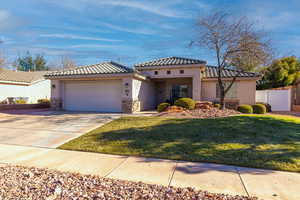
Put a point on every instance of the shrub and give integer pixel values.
(20, 101)
(268, 106)
(43, 101)
(259, 108)
(245, 109)
(217, 105)
(162, 107)
(187, 103)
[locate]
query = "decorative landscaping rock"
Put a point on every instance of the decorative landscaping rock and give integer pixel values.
(200, 113)
(203, 105)
(32, 183)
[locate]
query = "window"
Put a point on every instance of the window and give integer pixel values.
(179, 91)
(155, 72)
(181, 71)
(168, 72)
(231, 94)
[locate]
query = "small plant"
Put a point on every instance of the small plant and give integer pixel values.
(245, 109)
(268, 106)
(162, 107)
(217, 105)
(20, 101)
(43, 101)
(187, 103)
(259, 108)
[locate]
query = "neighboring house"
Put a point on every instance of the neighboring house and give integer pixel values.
(27, 85)
(111, 87)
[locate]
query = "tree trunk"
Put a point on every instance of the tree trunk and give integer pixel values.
(222, 98)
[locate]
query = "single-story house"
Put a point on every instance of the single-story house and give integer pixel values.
(112, 87)
(29, 86)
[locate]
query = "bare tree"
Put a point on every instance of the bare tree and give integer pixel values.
(67, 63)
(236, 43)
(2, 60)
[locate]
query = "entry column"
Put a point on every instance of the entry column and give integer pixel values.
(197, 85)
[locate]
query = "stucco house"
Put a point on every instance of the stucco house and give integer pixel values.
(29, 86)
(112, 87)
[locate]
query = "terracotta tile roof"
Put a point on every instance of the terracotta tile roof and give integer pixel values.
(20, 76)
(170, 61)
(101, 68)
(212, 72)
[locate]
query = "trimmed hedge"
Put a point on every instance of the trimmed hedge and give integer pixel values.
(268, 106)
(162, 107)
(217, 105)
(245, 109)
(20, 101)
(44, 101)
(187, 103)
(259, 108)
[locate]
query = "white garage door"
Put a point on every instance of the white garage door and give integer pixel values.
(100, 96)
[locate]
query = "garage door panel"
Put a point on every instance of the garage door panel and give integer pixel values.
(101, 96)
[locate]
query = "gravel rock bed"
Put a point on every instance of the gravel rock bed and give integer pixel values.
(200, 113)
(32, 183)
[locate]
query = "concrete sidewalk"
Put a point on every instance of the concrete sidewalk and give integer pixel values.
(266, 184)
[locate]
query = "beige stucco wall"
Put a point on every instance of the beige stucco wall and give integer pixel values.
(246, 91)
(57, 89)
(208, 90)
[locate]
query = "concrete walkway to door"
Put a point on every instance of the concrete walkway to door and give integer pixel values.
(266, 184)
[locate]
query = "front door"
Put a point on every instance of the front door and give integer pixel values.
(179, 91)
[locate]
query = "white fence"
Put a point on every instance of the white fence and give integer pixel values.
(280, 100)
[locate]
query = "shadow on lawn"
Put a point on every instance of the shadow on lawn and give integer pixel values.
(241, 140)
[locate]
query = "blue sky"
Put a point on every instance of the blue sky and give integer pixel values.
(92, 31)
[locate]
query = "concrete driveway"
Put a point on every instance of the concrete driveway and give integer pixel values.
(50, 129)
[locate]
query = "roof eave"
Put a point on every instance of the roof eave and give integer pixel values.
(94, 76)
(255, 78)
(169, 66)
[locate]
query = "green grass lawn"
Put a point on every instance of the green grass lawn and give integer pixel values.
(261, 141)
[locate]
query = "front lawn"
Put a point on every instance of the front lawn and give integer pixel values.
(261, 141)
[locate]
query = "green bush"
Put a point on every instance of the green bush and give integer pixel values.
(187, 103)
(217, 105)
(20, 101)
(259, 108)
(245, 109)
(43, 101)
(268, 106)
(162, 107)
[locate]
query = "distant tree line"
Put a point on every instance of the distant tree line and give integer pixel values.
(37, 62)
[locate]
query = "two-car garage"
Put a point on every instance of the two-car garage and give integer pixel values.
(95, 88)
(100, 95)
